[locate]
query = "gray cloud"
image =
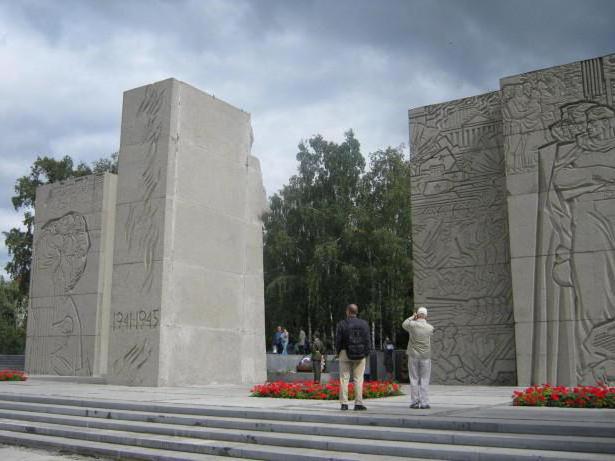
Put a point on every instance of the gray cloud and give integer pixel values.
(300, 67)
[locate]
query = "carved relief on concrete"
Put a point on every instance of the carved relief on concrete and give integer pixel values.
(137, 277)
(67, 290)
(572, 224)
(61, 250)
(140, 229)
(460, 239)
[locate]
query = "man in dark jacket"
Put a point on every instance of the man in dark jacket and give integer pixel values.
(352, 345)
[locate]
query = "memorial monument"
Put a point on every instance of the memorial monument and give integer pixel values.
(514, 220)
(180, 284)
(460, 239)
(70, 294)
(155, 277)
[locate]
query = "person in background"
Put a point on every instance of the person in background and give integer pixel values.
(419, 357)
(301, 343)
(352, 346)
(318, 351)
(277, 341)
(285, 339)
(389, 348)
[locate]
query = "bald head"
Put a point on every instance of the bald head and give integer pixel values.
(352, 310)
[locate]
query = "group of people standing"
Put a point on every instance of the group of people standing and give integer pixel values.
(281, 338)
(281, 342)
(353, 346)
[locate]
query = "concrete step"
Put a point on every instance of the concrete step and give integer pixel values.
(107, 450)
(180, 445)
(187, 430)
(451, 423)
(250, 443)
(69, 379)
(224, 428)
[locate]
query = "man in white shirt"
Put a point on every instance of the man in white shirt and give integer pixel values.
(419, 357)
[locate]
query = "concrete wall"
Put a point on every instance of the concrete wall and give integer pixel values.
(559, 127)
(188, 303)
(552, 132)
(460, 239)
(70, 280)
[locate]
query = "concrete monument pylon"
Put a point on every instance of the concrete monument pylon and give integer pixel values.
(185, 300)
(514, 228)
(70, 289)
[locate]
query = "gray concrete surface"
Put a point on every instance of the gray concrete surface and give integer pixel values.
(70, 292)
(460, 239)
(513, 202)
(12, 453)
(444, 398)
(559, 143)
(202, 422)
(188, 270)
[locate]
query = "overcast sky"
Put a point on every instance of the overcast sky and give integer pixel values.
(299, 67)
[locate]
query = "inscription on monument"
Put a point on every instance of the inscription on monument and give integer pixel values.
(136, 320)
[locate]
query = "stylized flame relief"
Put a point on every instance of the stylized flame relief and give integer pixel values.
(141, 229)
(62, 249)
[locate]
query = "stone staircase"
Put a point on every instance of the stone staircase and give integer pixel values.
(136, 430)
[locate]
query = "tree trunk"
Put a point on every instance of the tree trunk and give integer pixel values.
(373, 335)
(331, 325)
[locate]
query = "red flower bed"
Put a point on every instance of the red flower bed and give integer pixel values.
(12, 375)
(330, 391)
(599, 396)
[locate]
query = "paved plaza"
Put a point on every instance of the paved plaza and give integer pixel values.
(463, 401)
(120, 422)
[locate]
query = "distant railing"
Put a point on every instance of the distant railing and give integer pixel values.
(12, 362)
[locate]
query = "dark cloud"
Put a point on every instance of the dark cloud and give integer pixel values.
(300, 67)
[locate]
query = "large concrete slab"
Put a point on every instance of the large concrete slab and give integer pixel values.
(70, 294)
(188, 271)
(559, 142)
(530, 168)
(460, 239)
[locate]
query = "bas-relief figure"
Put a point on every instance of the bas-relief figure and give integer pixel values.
(460, 238)
(558, 141)
(66, 297)
(574, 293)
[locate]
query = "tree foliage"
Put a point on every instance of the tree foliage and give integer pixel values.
(44, 170)
(12, 315)
(336, 234)
(14, 293)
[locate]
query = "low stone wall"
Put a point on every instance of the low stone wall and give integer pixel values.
(300, 376)
(12, 362)
(278, 363)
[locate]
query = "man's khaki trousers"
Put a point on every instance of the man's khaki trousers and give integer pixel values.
(357, 367)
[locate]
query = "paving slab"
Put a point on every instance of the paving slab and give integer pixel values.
(460, 401)
(14, 453)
